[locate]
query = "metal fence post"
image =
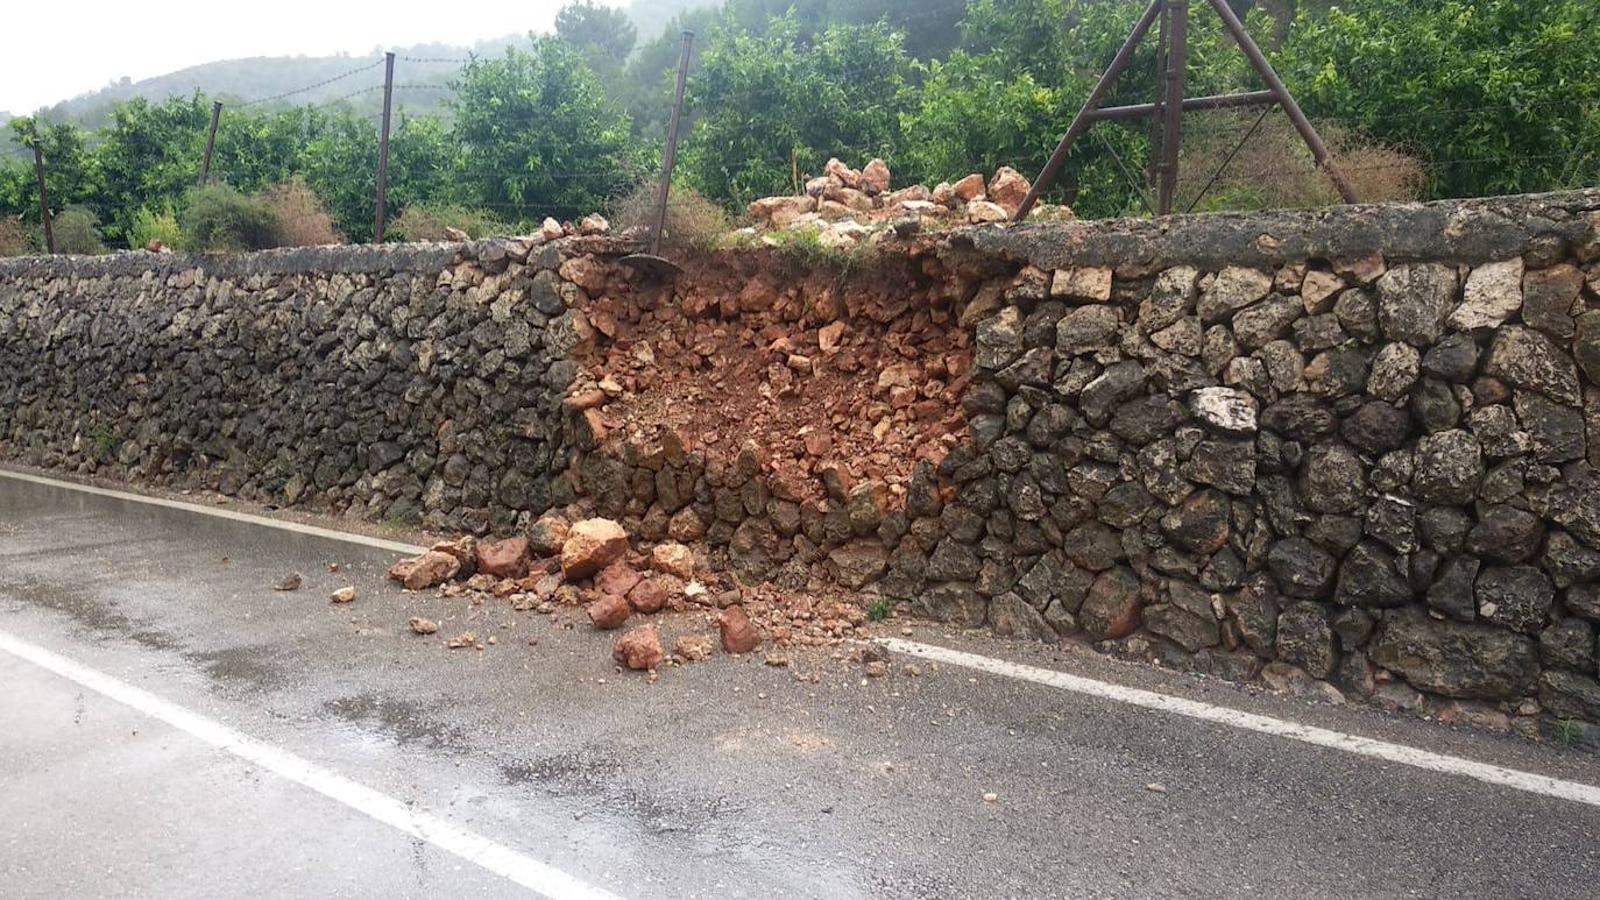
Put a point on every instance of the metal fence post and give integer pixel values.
(211, 143)
(383, 147)
(44, 197)
(670, 157)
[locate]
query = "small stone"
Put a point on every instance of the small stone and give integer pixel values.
(289, 582)
(463, 640)
(739, 634)
(1226, 409)
(609, 612)
(693, 647)
(345, 594)
(639, 649)
(1156, 787)
(673, 558)
(1493, 295)
(419, 573)
(420, 625)
(991, 797)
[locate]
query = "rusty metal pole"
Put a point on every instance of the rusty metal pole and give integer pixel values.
(669, 157)
(1153, 164)
(44, 197)
(211, 143)
(1172, 127)
(1082, 121)
(1303, 125)
(383, 147)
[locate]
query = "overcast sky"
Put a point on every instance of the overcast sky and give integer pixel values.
(54, 52)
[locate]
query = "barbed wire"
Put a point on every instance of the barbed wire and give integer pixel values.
(310, 87)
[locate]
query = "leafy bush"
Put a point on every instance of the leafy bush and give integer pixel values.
(428, 221)
(303, 221)
(693, 222)
(218, 217)
(13, 237)
(148, 227)
(77, 231)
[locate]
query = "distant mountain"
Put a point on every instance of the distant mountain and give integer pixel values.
(237, 81)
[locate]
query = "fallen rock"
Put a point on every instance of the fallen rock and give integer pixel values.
(739, 634)
(674, 559)
(609, 612)
(345, 594)
(420, 625)
(693, 647)
(1008, 188)
(504, 559)
(618, 578)
(639, 649)
(648, 596)
(591, 545)
(289, 582)
(465, 550)
(547, 534)
(422, 572)
(464, 639)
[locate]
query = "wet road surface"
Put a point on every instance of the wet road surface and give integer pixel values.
(725, 778)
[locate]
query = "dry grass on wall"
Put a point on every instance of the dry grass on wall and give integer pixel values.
(302, 218)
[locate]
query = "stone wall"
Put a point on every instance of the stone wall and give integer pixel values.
(1355, 447)
(419, 383)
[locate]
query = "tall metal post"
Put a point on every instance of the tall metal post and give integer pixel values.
(1172, 109)
(669, 157)
(1082, 121)
(383, 147)
(44, 197)
(211, 143)
(1153, 163)
(1275, 84)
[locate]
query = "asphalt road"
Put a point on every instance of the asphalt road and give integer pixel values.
(132, 636)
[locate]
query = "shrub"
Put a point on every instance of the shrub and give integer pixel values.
(428, 221)
(77, 231)
(693, 222)
(1275, 169)
(218, 217)
(303, 220)
(154, 226)
(13, 237)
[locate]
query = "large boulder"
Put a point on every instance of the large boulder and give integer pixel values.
(739, 634)
(591, 545)
(1455, 659)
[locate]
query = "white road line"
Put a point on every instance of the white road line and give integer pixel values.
(1222, 715)
(229, 514)
(524, 870)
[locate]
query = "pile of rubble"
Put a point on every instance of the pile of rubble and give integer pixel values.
(590, 564)
(847, 204)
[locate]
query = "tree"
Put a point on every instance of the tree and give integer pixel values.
(71, 174)
(601, 31)
(537, 135)
(149, 155)
(770, 103)
(1498, 95)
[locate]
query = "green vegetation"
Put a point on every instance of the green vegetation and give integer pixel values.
(880, 610)
(149, 227)
(77, 231)
(1419, 98)
(220, 218)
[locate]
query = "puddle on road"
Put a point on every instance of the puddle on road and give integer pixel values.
(406, 722)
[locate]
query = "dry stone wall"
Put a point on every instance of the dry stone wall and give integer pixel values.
(415, 384)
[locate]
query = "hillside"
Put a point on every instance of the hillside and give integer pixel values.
(242, 80)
